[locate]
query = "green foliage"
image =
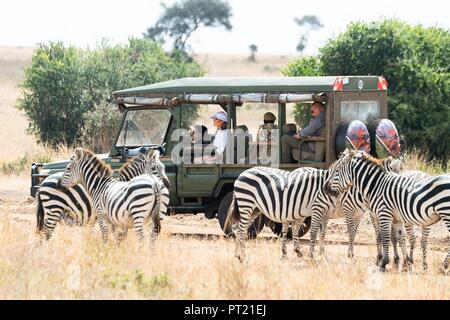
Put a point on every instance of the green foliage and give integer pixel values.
(182, 19)
(53, 97)
(306, 67)
(67, 90)
(416, 63)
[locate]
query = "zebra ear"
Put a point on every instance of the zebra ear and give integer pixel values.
(79, 153)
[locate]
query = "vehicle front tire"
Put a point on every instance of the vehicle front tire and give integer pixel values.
(254, 229)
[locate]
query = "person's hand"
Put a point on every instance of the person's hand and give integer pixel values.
(297, 135)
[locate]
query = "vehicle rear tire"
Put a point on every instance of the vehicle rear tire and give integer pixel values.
(254, 229)
(276, 228)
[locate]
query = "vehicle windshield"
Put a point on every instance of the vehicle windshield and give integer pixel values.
(144, 127)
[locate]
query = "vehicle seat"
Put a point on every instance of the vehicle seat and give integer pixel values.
(239, 158)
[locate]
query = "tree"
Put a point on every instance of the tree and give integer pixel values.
(307, 23)
(66, 94)
(253, 49)
(182, 19)
(416, 63)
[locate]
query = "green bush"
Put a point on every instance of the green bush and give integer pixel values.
(303, 67)
(66, 90)
(416, 63)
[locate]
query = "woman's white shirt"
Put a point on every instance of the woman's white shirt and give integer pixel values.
(220, 140)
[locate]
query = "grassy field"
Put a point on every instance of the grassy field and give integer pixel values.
(75, 264)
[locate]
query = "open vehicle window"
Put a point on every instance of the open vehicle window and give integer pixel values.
(364, 111)
(144, 127)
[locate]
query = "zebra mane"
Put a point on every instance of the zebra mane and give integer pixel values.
(372, 160)
(103, 169)
(141, 158)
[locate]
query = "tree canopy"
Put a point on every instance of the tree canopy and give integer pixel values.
(182, 19)
(66, 89)
(416, 63)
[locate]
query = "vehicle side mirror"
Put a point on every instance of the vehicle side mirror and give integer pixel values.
(162, 149)
(124, 153)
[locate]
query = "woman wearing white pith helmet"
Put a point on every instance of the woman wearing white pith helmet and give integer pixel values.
(220, 140)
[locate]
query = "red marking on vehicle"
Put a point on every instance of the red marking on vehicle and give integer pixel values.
(382, 83)
(338, 84)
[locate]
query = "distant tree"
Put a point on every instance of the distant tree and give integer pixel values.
(253, 49)
(307, 23)
(182, 19)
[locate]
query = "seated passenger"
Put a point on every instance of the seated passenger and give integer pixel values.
(315, 128)
(264, 130)
(220, 140)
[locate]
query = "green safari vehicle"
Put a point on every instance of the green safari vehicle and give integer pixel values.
(152, 114)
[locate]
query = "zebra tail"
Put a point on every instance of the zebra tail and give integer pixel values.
(156, 214)
(39, 214)
(233, 214)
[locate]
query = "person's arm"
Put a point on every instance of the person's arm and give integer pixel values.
(315, 125)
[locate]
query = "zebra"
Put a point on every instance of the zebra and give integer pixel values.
(391, 196)
(352, 206)
(74, 205)
(257, 184)
(282, 196)
(121, 204)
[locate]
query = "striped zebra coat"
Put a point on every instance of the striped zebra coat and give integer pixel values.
(282, 196)
(392, 197)
(120, 204)
(74, 205)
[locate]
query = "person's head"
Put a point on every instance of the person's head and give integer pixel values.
(220, 120)
(316, 108)
(269, 117)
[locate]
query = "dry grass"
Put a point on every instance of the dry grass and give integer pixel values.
(75, 264)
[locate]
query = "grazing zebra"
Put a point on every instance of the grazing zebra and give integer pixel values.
(74, 205)
(282, 196)
(392, 197)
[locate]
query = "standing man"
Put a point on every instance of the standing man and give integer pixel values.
(315, 128)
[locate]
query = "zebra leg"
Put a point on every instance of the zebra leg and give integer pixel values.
(412, 240)
(351, 229)
(423, 244)
(138, 225)
(385, 223)
(284, 232)
(447, 258)
(323, 233)
(295, 230)
(242, 234)
(407, 264)
(316, 220)
(376, 227)
(394, 240)
(103, 227)
(52, 217)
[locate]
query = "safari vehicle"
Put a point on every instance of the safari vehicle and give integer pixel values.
(152, 113)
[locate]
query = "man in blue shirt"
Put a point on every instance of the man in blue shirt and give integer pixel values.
(316, 127)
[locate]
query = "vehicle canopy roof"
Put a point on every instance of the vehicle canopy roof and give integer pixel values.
(210, 85)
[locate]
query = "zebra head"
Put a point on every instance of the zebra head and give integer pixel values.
(83, 162)
(156, 167)
(339, 179)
